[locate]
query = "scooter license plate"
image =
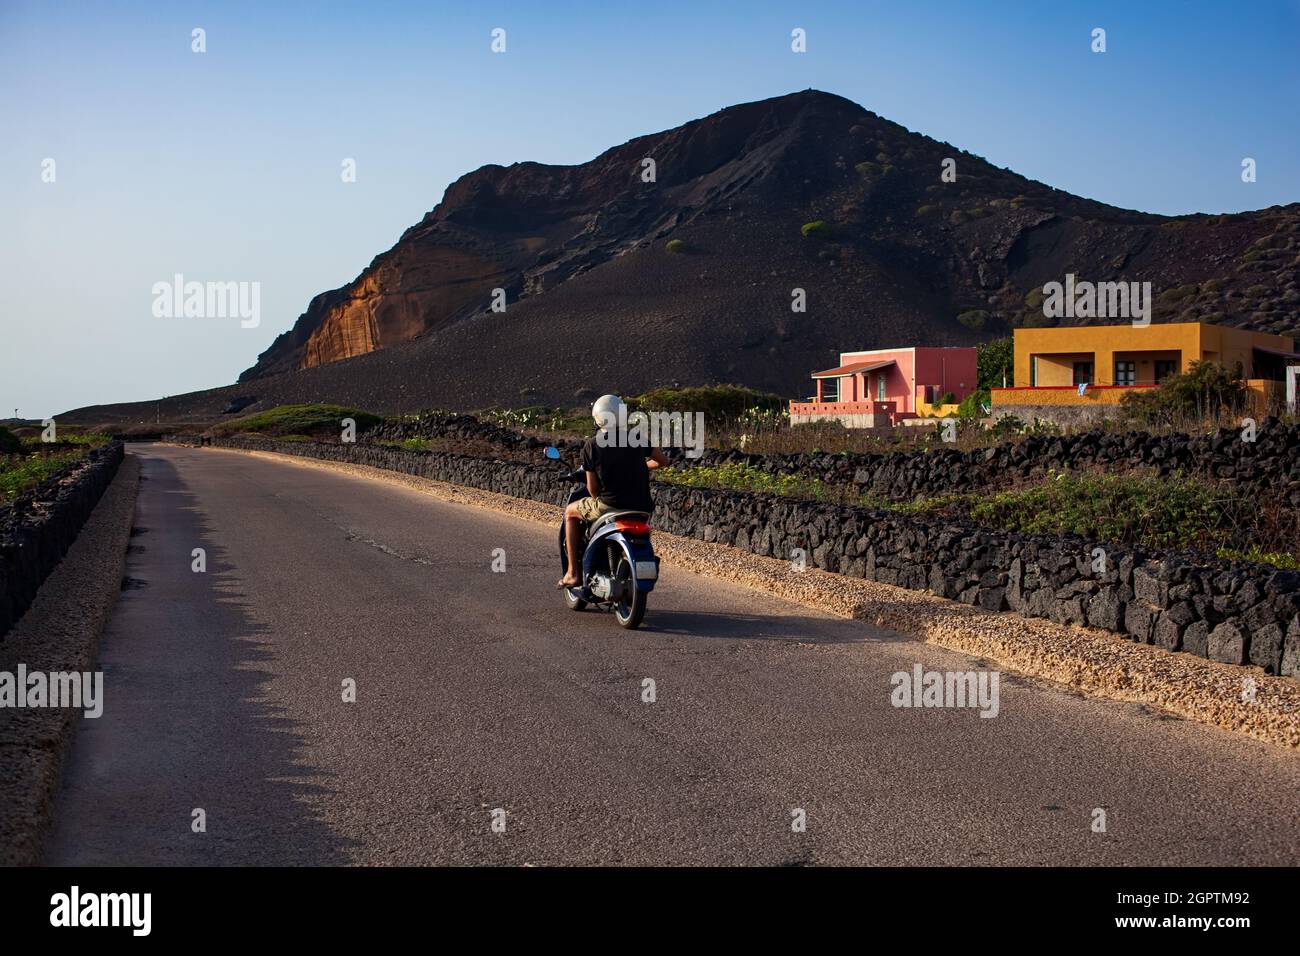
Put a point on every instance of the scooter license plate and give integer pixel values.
(647, 570)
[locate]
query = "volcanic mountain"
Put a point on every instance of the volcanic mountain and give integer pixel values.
(677, 257)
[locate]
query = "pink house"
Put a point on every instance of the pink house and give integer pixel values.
(885, 386)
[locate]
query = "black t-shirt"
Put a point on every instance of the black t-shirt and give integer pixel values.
(622, 473)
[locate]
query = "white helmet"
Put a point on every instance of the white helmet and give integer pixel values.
(606, 410)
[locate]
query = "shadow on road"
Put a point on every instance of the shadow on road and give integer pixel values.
(188, 722)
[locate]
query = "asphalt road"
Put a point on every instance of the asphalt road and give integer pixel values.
(478, 690)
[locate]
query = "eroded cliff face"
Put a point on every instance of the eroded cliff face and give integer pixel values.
(406, 295)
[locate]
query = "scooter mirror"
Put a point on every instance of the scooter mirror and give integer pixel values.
(553, 453)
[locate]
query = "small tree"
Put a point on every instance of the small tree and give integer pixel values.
(993, 361)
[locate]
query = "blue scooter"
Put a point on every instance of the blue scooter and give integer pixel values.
(619, 566)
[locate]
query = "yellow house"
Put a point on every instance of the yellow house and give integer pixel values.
(1098, 364)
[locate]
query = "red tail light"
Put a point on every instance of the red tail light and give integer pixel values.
(635, 528)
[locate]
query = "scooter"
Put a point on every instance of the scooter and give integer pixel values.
(619, 566)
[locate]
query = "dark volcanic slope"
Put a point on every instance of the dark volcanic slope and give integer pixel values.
(595, 300)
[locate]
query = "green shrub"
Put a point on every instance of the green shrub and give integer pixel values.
(675, 245)
(1179, 293)
(974, 319)
(1034, 298)
(927, 210)
(10, 444)
(818, 229)
(715, 401)
(867, 170)
(970, 408)
(1205, 389)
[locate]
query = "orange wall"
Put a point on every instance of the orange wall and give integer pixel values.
(1059, 348)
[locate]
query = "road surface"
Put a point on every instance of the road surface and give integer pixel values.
(477, 691)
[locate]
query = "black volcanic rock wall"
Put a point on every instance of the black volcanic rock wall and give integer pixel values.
(1233, 612)
(38, 527)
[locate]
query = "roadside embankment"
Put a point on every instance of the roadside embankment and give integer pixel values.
(59, 634)
(39, 525)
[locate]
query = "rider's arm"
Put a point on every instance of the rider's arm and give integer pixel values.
(656, 459)
(593, 484)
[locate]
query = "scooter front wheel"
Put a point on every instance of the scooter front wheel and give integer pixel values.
(573, 599)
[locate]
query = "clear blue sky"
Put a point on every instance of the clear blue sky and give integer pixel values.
(225, 165)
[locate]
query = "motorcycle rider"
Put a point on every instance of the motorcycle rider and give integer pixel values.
(618, 479)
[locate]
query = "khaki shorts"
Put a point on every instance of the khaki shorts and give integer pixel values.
(589, 508)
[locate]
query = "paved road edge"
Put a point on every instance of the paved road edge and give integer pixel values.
(59, 632)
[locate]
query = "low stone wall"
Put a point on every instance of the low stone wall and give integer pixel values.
(1233, 612)
(38, 527)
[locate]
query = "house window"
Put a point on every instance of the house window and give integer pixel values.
(1125, 373)
(1033, 371)
(880, 386)
(1082, 373)
(1165, 368)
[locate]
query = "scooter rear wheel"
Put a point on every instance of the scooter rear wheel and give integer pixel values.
(631, 607)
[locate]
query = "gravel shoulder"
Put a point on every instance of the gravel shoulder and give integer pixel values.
(59, 632)
(1243, 700)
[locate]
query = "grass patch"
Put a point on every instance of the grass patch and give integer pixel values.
(1117, 508)
(1131, 508)
(817, 229)
(299, 422)
(1256, 555)
(539, 418)
(21, 472)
